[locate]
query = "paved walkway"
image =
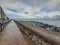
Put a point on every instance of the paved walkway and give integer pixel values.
(12, 36)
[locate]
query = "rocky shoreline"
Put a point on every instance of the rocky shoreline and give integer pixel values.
(43, 25)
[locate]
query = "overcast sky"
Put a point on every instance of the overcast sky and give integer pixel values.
(36, 8)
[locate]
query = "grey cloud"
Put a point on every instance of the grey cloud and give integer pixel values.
(31, 5)
(50, 5)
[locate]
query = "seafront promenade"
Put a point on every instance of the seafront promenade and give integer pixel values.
(11, 35)
(18, 33)
(13, 32)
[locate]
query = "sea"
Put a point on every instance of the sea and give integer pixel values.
(50, 22)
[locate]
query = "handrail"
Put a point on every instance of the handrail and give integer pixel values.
(39, 35)
(3, 25)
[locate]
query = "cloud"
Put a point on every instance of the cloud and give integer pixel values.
(16, 8)
(52, 5)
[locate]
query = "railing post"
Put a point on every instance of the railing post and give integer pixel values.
(1, 27)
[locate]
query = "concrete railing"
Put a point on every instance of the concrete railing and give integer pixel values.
(3, 25)
(40, 36)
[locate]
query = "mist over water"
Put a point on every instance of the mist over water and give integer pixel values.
(51, 22)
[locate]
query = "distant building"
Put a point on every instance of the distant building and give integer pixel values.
(3, 16)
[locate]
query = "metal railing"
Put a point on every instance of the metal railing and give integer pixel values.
(40, 36)
(3, 25)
